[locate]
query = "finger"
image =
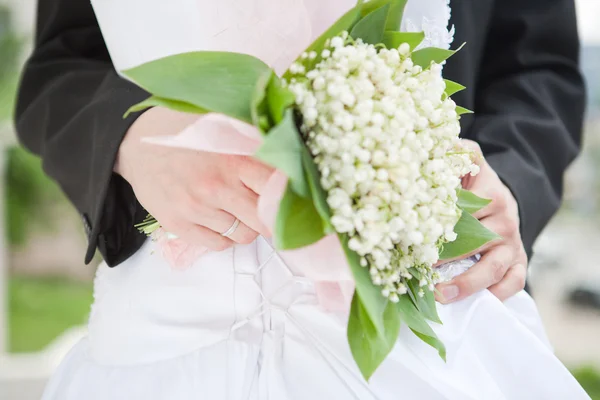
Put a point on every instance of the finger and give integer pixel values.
(484, 184)
(494, 224)
(483, 249)
(218, 221)
(242, 233)
(469, 180)
(483, 187)
(488, 210)
(473, 146)
(255, 175)
(201, 236)
(502, 225)
(513, 282)
(242, 203)
(488, 271)
(497, 195)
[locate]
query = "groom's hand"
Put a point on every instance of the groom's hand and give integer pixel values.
(503, 265)
(194, 195)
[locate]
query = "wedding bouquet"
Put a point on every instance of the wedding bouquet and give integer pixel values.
(363, 128)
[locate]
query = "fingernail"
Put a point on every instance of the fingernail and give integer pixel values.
(449, 292)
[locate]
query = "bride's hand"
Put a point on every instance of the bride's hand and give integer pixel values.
(503, 266)
(194, 195)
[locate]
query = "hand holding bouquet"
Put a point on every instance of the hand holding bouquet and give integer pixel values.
(363, 127)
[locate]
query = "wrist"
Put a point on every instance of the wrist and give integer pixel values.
(156, 121)
(119, 168)
(121, 161)
(131, 141)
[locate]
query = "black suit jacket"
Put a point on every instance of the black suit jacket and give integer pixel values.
(520, 67)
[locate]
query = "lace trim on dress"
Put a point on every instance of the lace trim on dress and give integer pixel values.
(432, 18)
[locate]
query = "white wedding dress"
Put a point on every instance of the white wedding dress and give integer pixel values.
(240, 324)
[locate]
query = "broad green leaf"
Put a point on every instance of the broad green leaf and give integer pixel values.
(426, 56)
(367, 7)
(282, 149)
(344, 23)
(370, 295)
(417, 323)
(462, 110)
(395, 13)
(259, 107)
(413, 295)
(371, 27)
(469, 202)
(453, 87)
(279, 99)
(319, 196)
(175, 105)
(368, 347)
(472, 235)
(434, 342)
(222, 82)
(393, 40)
(426, 304)
(298, 223)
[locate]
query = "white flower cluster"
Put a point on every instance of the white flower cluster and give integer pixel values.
(385, 139)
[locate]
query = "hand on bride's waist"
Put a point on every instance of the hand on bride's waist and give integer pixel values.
(195, 195)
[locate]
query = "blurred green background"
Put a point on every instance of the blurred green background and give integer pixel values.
(42, 300)
(48, 290)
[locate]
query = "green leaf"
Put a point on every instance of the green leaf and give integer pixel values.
(434, 342)
(395, 14)
(426, 304)
(298, 223)
(371, 28)
(472, 235)
(370, 295)
(368, 347)
(282, 149)
(259, 107)
(462, 110)
(367, 7)
(279, 99)
(469, 202)
(222, 82)
(344, 23)
(417, 323)
(175, 105)
(453, 87)
(426, 56)
(319, 196)
(393, 40)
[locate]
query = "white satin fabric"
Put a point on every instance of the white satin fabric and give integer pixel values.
(240, 324)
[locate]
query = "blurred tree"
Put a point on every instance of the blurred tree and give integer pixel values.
(30, 195)
(9, 48)
(589, 378)
(29, 192)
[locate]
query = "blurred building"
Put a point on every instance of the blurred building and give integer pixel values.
(590, 59)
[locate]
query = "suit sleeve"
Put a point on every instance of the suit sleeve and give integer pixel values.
(529, 104)
(69, 112)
